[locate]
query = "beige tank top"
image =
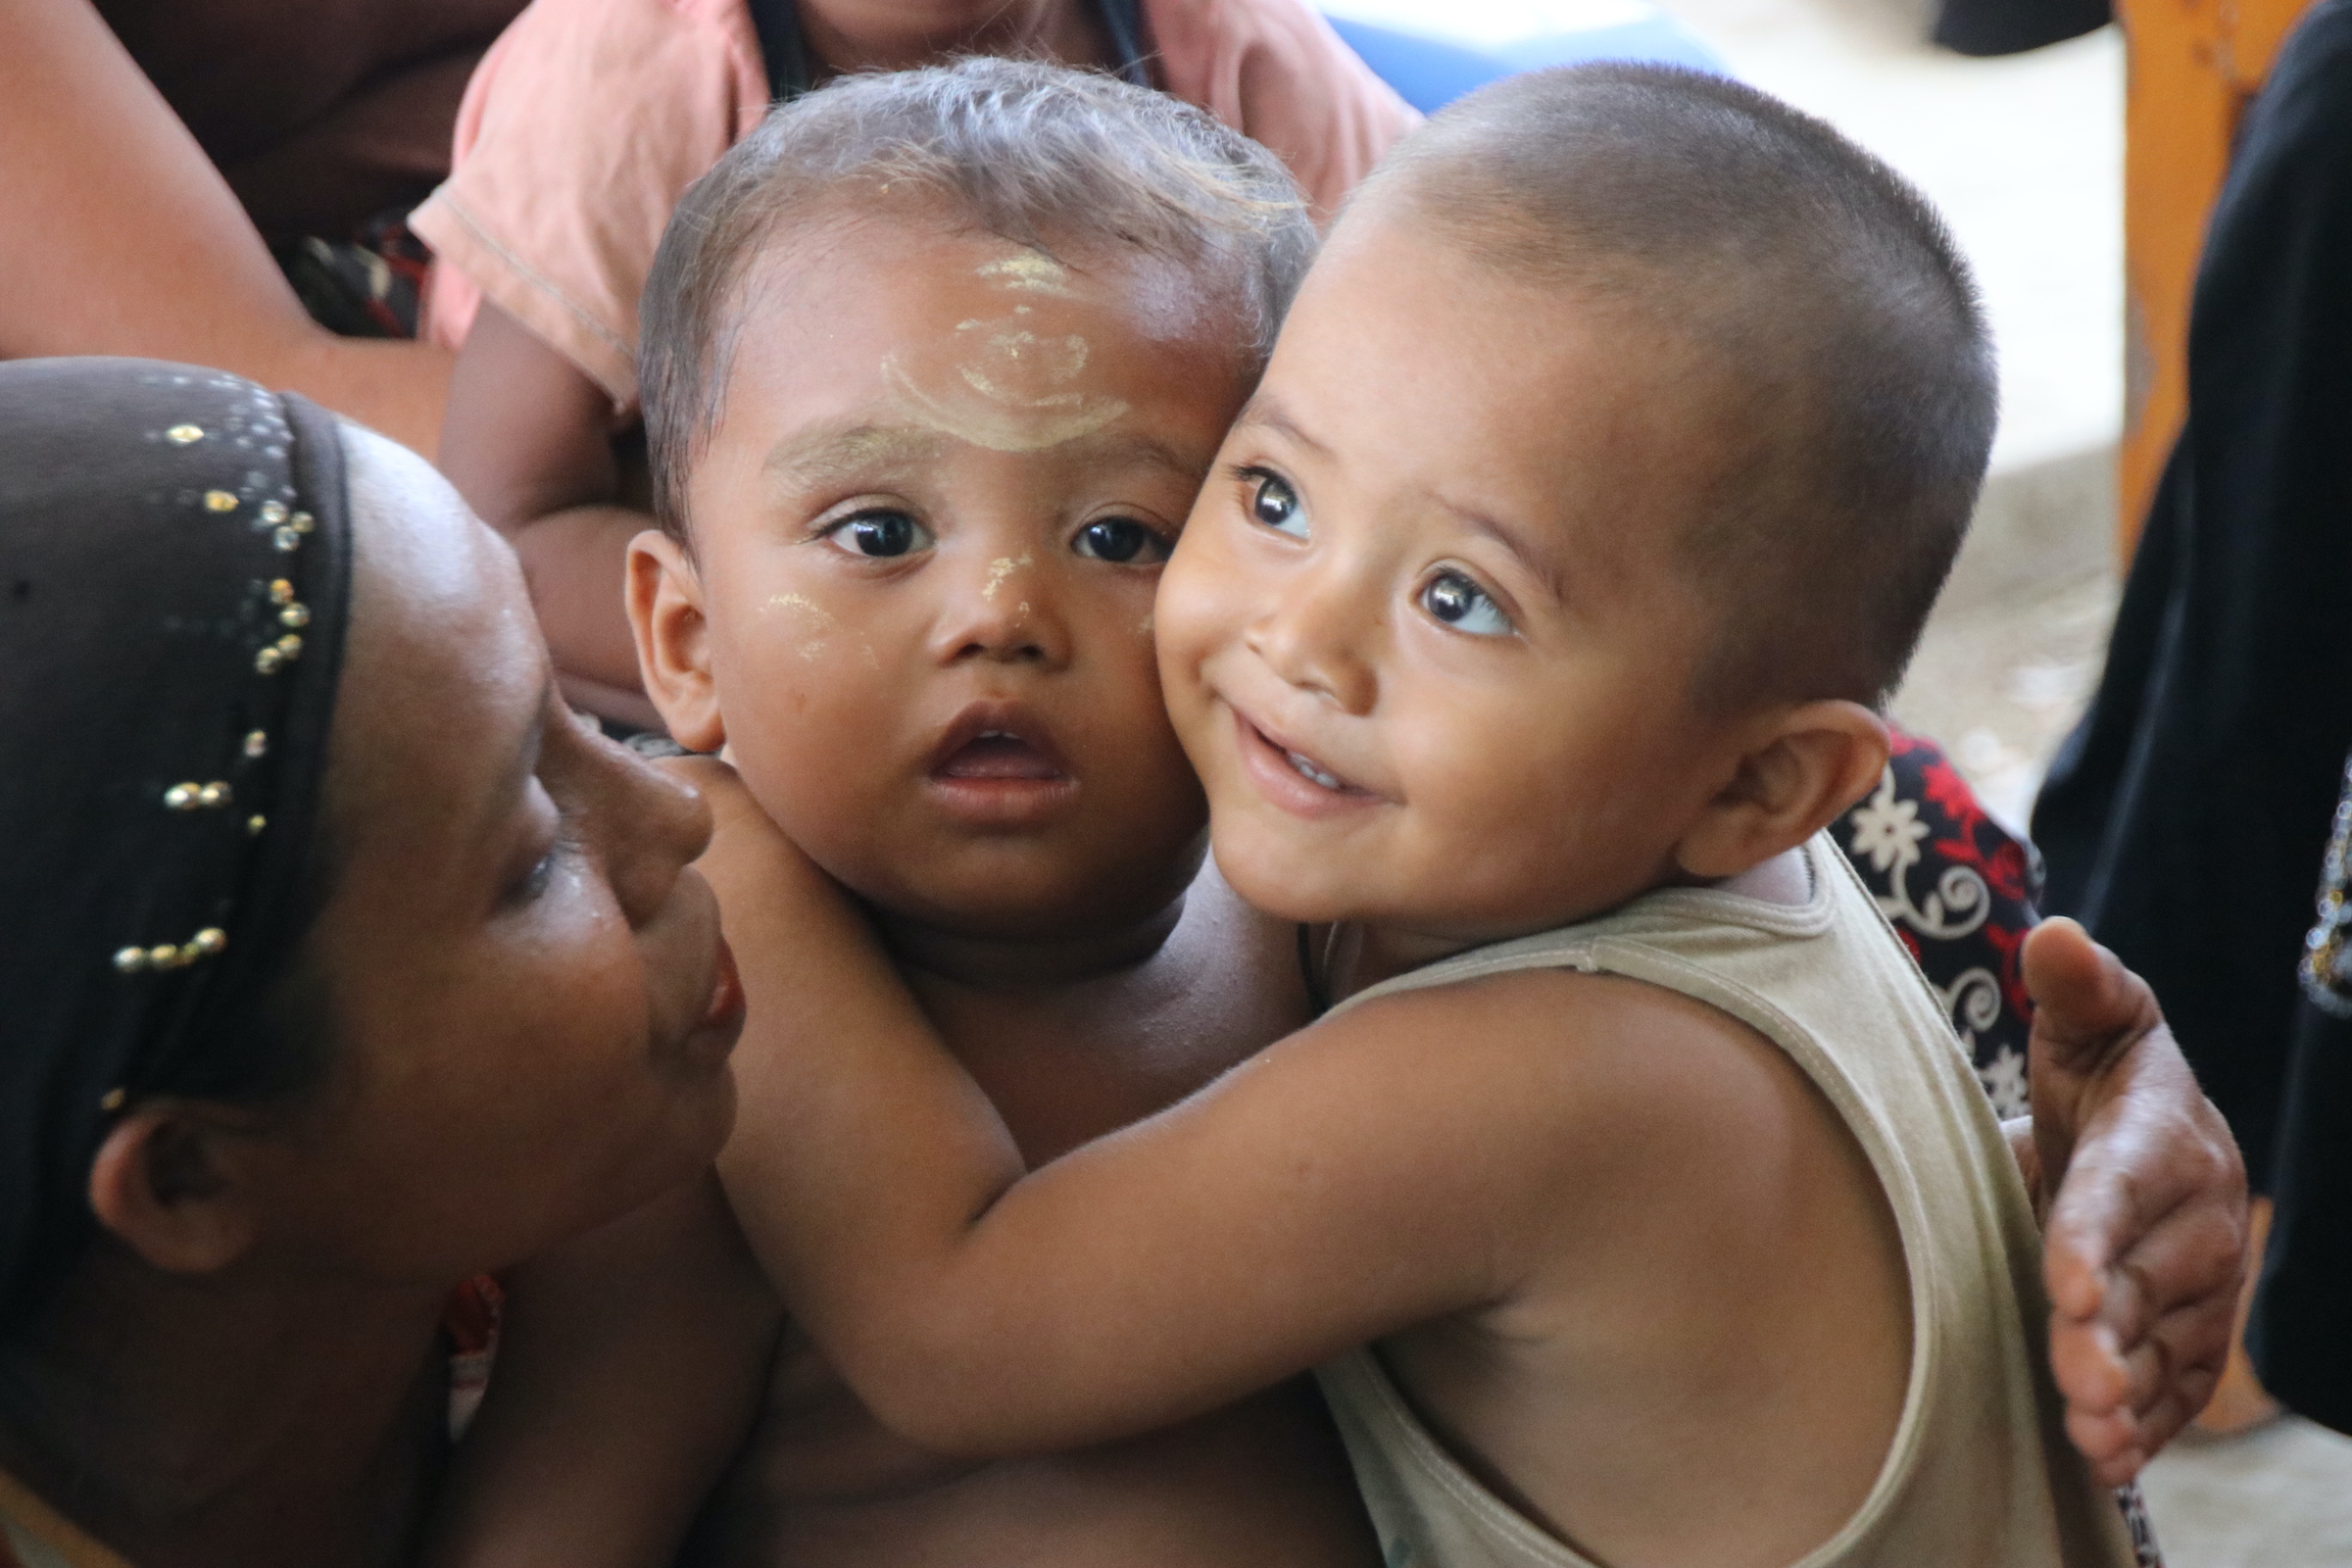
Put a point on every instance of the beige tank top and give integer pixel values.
(1979, 1471)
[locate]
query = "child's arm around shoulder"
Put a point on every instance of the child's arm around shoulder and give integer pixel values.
(1427, 1154)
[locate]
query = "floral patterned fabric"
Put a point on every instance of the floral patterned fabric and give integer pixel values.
(1960, 890)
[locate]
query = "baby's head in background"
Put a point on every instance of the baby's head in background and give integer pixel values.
(934, 366)
(1592, 501)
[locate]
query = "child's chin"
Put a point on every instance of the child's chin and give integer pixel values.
(1261, 873)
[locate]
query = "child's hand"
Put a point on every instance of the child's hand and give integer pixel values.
(2145, 1197)
(762, 878)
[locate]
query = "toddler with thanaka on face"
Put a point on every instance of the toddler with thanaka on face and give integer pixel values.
(936, 366)
(590, 118)
(1533, 624)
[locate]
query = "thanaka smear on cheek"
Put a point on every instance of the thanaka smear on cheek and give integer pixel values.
(815, 621)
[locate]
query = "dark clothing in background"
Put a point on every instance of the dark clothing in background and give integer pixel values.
(2012, 26)
(330, 120)
(2301, 1331)
(2300, 1335)
(2184, 817)
(319, 114)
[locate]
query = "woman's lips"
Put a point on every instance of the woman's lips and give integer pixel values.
(712, 1037)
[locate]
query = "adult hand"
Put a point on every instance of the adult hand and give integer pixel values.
(2144, 1200)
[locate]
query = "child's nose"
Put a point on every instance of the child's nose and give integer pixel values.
(1314, 630)
(1002, 612)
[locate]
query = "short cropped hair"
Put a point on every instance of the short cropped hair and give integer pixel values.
(1041, 155)
(1821, 287)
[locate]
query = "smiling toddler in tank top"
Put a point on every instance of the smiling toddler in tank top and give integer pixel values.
(1636, 1204)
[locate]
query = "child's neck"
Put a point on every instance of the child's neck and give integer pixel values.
(1364, 956)
(1086, 951)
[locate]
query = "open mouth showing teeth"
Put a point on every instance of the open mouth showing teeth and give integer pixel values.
(1306, 769)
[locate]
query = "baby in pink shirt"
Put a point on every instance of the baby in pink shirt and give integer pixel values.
(589, 118)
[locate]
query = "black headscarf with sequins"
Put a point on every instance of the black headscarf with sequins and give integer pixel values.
(174, 575)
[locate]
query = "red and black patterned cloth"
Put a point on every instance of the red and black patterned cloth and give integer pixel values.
(1960, 890)
(369, 283)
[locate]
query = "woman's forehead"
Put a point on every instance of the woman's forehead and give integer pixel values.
(446, 673)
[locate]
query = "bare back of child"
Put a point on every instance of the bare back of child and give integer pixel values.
(915, 508)
(1532, 625)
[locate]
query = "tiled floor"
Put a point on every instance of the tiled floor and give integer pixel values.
(2277, 1496)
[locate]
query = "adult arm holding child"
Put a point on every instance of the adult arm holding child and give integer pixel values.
(2144, 1200)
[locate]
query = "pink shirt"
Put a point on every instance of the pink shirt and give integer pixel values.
(588, 118)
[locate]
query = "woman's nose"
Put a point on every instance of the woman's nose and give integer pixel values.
(654, 825)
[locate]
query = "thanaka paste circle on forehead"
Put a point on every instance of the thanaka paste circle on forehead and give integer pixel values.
(1031, 270)
(997, 418)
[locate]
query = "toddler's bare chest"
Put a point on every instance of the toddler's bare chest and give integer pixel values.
(1262, 1484)
(1062, 1069)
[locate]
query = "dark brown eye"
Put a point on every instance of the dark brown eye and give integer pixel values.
(1276, 505)
(1463, 604)
(1120, 539)
(880, 534)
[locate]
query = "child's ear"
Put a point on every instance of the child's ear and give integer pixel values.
(171, 1182)
(673, 640)
(1806, 766)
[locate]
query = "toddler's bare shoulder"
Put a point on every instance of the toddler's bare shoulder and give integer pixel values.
(1549, 1046)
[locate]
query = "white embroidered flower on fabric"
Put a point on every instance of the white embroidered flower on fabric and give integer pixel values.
(1886, 830)
(2005, 1083)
